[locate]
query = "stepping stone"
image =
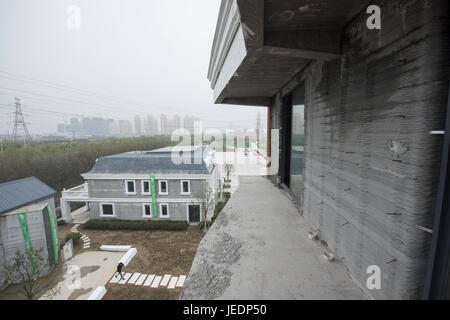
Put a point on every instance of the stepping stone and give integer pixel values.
(134, 278)
(172, 283)
(114, 279)
(165, 280)
(149, 280)
(126, 276)
(156, 282)
(141, 279)
(180, 281)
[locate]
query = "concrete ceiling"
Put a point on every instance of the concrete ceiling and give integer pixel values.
(309, 14)
(287, 35)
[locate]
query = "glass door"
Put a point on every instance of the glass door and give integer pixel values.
(297, 143)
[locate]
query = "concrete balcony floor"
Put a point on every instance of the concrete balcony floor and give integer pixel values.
(258, 248)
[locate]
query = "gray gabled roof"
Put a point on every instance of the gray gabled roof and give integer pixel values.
(20, 193)
(153, 162)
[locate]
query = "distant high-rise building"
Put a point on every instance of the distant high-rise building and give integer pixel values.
(169, 126)
(61, 128)
(163, 124)
(125, 128)
(137, 126)
(151, 126)
(176, 122)
(114, 129)
(75, 126)
(189, 123)
(95, 126)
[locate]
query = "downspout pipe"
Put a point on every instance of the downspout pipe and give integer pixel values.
(436, 282)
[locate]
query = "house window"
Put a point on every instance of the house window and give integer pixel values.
(107, 210)
(146, 187)
(185, 187)
(163, 188)
(130, 187)
(163, 210)
(146, 210)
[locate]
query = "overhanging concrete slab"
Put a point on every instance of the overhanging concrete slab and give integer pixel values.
(260, 44)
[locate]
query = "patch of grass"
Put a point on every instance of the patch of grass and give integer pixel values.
(97, 224)
(75, 236)
(220, 205)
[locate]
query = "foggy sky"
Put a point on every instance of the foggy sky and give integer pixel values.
(151, 56)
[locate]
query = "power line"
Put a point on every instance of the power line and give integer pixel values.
(90, 93)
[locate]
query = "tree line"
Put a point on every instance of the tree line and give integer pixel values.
(60, 164)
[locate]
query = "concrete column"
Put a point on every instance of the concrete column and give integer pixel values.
(65, 211)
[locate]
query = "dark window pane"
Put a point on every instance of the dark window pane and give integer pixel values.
(107, 209)
(147, 210)
(194, 213)
(130, 185)
(164, 210)
(146, 187)
(185, 186)
(163, 186)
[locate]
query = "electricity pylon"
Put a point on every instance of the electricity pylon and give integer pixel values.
(19, 123)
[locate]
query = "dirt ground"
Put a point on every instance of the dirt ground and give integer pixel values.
(158, 252)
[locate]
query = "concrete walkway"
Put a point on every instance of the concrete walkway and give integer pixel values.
(81, 215)
(258, 248)
(83, 274)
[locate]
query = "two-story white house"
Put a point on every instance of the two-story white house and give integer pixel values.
(142, 185)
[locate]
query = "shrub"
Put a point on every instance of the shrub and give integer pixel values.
(220, 205)
(135, 225)
(61, 222)
(75, 236)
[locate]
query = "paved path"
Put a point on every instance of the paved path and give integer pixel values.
(81, 215)
(150, 280)
(83, 274)
(84, 237)
(258, 248)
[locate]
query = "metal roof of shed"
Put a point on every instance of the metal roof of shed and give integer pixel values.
(23, 192)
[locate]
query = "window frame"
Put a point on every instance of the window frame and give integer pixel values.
(161, 211)
(189, 187)
(149, 188)
(143, 211)
(187, 211)
(167, 187)
(126, 187)
(107, 215)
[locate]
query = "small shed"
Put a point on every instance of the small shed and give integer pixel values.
(27, 218)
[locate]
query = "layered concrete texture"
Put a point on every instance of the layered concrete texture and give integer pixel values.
(258, 248)
(371, 164)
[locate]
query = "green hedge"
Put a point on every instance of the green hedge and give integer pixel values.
(135, 225)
